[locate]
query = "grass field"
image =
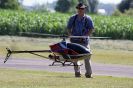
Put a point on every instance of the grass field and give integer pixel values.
(104, 51)
(41, 79)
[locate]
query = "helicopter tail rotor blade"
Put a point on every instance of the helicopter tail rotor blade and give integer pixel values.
(8, 54)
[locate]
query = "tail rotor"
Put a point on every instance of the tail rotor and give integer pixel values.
(9, 52)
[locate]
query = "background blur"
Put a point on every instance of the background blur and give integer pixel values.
(112, 18)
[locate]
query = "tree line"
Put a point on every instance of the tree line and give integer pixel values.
(61, 6)
(69, 5)
(10, 4)
(65, 6)
(125, 5)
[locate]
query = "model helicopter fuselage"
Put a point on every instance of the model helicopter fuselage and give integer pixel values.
(61, 52)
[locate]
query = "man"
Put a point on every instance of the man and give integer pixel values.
(81, 24)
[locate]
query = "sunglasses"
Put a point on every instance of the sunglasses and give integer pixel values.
(81, 8)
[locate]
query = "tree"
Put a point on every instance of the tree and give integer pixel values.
(63, 5)
(82, 1)
(125, 5)
(92, 6)
(69, 5)
(9, 4)
(73, 5)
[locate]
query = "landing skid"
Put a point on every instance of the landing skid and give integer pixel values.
(65, 63)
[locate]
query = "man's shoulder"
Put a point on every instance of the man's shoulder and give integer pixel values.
(88, 17)
(73, 16)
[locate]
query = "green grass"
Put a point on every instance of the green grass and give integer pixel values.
(41, 79)
(112, 51)
(112, 57)
(104, 51)
(10, 78)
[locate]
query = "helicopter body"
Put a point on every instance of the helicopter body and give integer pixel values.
(61, 52)
(68, 52)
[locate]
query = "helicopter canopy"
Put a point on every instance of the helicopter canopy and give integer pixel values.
(69, 48)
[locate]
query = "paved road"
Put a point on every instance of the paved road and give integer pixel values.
(43, 64)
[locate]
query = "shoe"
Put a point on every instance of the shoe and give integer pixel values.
(88, 76)
(78, 75)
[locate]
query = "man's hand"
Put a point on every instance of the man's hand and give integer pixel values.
(90, 32)
(69, 32)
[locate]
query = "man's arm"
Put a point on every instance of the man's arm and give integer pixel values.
(90, 26)
(70, 25)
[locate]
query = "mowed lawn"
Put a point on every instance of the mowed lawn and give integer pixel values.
(112, 51)
(41, 79)
(113, 57)
(104, 51)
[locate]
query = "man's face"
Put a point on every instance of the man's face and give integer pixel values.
(81, 10)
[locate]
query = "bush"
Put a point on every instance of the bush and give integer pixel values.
(117, 13)
(129, 12)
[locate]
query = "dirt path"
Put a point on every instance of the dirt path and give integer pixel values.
(43, 64)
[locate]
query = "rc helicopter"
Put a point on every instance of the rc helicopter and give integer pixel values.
(60, 52)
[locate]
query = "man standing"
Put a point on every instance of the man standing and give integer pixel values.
(81, 24)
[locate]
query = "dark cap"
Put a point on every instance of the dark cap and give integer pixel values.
(81, 5)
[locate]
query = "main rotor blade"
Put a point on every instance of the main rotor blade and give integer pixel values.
(78, 36)
(90, 37)
(100, 37)
(61, 36)
(38, 34)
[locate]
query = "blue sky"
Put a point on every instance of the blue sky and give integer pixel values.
(32, 2)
